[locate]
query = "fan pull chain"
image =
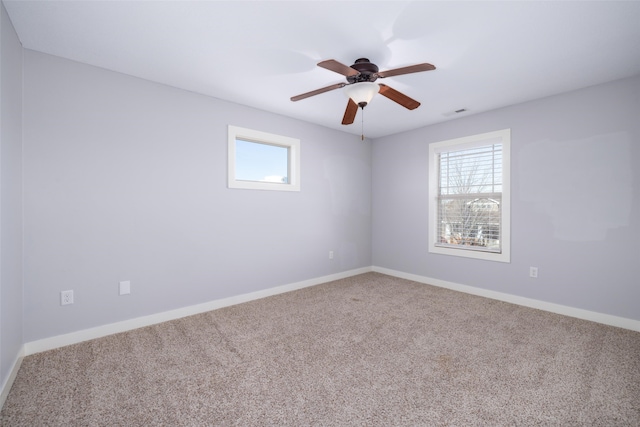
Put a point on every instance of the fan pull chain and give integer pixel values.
(362, 125)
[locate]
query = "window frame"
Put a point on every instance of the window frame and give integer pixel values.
(291, 144)
(457, 144)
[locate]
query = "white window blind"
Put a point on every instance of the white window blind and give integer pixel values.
(469, 199)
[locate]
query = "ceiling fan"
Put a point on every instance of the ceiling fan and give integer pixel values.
(360, 86)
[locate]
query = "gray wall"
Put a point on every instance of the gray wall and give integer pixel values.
(575, 200)
(125, 179)
(10, 196)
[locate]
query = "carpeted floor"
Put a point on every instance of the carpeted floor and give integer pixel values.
(367, 350)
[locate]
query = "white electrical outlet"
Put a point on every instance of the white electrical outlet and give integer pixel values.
(533, 272)
(66, 297)
(125, 287)
(330, 254)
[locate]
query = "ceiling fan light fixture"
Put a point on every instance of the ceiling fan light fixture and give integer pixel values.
(361, 93)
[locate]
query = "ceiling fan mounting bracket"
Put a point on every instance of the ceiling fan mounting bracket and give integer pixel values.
(367, 72)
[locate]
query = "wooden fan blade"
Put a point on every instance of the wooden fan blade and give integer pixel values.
(350, 113)
(338, 67)
(318, 91)
(398, 97)
(406, 70)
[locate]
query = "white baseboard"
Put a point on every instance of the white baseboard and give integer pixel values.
(607, 319)
(127, 325)
(6, 387)
(139, 322)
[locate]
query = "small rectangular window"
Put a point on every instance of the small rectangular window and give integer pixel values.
(263, 161)
(469, 196)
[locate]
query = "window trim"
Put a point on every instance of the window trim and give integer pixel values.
(505, 221)
(292, 145)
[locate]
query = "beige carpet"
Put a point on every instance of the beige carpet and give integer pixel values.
(368, 350)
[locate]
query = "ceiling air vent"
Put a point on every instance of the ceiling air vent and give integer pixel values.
(453, 113)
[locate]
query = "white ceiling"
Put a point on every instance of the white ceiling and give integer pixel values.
(487, 54)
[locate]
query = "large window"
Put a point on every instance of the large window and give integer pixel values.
(469, 209)
(263, 161)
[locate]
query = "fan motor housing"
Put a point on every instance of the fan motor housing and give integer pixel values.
(368, 71)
